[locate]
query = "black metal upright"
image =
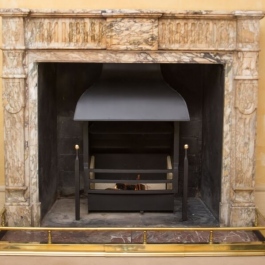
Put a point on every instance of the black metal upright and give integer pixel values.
(185, 186)
(86, 159)
(77, 185)
(175, 157)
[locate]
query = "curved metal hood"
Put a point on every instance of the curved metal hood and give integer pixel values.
(131, 92)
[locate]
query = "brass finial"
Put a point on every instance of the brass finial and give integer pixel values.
(186, 146)
(76, 147)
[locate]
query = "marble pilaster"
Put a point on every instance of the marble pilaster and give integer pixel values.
(246, 100)
(17, 193)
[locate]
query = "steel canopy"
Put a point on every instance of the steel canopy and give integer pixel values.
(131, 92)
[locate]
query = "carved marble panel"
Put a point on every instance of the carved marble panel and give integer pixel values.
(13, 95)
(245, 130)
(13, 101)
(13, 63)
(246, 100)
(248, 34)
(246, 65)
(14, 149)
(65, 33)
(132, 34)
(13, 33)
(197, 34)
(245, 150)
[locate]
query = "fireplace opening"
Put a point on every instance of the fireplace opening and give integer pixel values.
(60, 85)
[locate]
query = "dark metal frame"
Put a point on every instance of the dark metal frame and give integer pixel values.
(130, 200)
(128, 85)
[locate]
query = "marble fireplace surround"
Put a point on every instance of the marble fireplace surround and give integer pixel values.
(129, 36)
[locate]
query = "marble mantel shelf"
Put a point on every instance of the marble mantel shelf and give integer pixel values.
(129, 13)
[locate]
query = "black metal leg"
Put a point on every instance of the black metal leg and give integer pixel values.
(77, 185)
(185, 186)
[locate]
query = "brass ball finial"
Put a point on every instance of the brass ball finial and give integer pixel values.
(186, 146)
(76, 147)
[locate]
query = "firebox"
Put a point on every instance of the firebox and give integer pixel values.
(117, 154)
(130, 139)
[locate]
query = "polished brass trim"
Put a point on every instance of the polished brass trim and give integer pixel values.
(211, 237)
(143, 249)
(241, 228)
(257, 249)
(145, 237)
(49, 237)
